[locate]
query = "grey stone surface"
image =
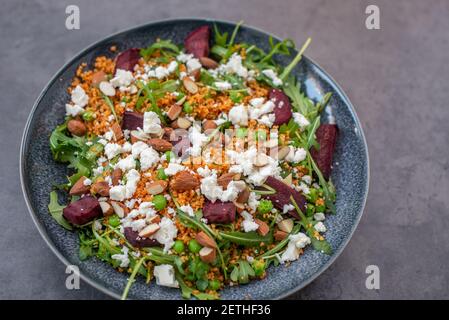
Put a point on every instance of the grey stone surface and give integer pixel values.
(395, 77)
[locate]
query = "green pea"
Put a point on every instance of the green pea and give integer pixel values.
(161, 174)
(178, 246)
(313, 195)
(114, 221)
(214, 284)
(194, 246)
(88, 116)
(187, 107)
(169, 155)
(241, 133)
(159, 202)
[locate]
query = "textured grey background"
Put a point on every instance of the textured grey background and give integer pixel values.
(395, 77)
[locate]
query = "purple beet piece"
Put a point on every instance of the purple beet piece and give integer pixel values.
(282, 196)
(197, 42)
(326, 136)
(139, 242)
(127, 59)
(219, 212)
(82, 211)
(132, 120)
(282, 106)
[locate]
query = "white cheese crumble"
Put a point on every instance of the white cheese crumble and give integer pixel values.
(117, 193)
(73, 110)
(212, 191)
(122, 257)
(234, 66)
(166, 233)
(273, 77)
(87, 182)
(197, 140)
(223, 85)
(287, 208)
(165, 276)
(320, 227)
(123, 78)
(238, 115)
(126, 164)
(296, 242)
(112, 149)
(188, 209)
(132, 178)
(151, 122)
(148, 158)
(296, 155)
(300, 120)
(319, 216)
(79, 97)
(173, 168)
(248, 223)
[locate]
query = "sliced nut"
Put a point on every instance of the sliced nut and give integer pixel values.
(139, 135)
(261, 160)
(196, 74)
(288, 180)
(183, 181)
(107, 89)
(106, 208)
(183, 123)
(280, 235)
(149, 230)
(119, 208)
(160, 145)
(209, 125)
(190, 85)
(117, 131)
(208, 63)
(207, 254)
(157, 187)
(263, 227)
(283, 152)
(225, 179)
(181, 101)
(101, 188)
(240, 207)
(154, 219)
(174, 112)
(76, 127)
(98, 77)
(79, 187)
(286, 225)
(116, 176)
(204, 240)
(243, 196)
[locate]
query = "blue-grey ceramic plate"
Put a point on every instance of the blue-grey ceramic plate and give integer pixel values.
(39, 172)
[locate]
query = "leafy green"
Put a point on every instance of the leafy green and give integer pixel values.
(111, 105)
(55, 210)
(242, 272)
(295, 60)
(247, 239)
(165, 46)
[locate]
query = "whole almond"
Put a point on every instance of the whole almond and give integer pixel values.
(280, 235)
(117, 131)
(283, 152)
(208, 63)
(243, 196)
(204, 240)
(190, 85)
(183, 123)
(160, 145)
(209, 125)
(207, 254)
(76, 127)
(286, 225)
(225, 179)
(174, 112)
(79, 187)
(264, 228)
(119, 208)
(98, 77)
(183, 181)
(196, 74)
(101, 188)
(157, 187)
(106, 208)
(116, 176)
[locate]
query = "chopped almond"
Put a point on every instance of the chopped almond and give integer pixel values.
(106, 208)
(207, 254)
(190, 85)
(101, 188)
(174, 112)
(264, 228)
(183, 181)
(116, 176)
(76, 127)
(157, 187)
(160, 145)
(117, 130)
(204, 240)
(79, 187)
(280, 235)
(149, 230)
(225, 179)
(286, 225)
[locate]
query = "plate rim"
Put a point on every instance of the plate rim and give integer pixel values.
(24, 141)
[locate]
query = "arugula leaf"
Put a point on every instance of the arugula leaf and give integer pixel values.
(321, 245)
(161, 45)
(111, 105)
(248, 239)
(55, 210)
(295, 60)
(220, 38)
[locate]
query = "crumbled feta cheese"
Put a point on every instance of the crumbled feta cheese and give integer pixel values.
(165, 276)
(123, 78)
(307, 179)
(304, 188)
(234, 65)
(73, 110)
(319, 216)
(287, 208)
(257, 109)
(300, 120)
(166, 233)
(117, 193)
(320, 227)
(238, 115)
(132, 178)
(253, 201)
(148, 158)
(212, 191)
(151, 122)
(111, 150)
(126, 164)
(248, 223)
(197, 140)
(188, 209)
(108, 135)
(272, 76)
(87, 182)
(267, 119)
(137, 148)
(296, 242)
(107, 88)
(193, 64)
(147, 209)
(223, 85)
(122, 257)
(79, 97)
(173, 168)
(296, 155)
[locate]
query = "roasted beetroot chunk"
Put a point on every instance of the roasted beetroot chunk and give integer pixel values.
(219, 212)
(197, 42)
(282, 196)
(82, 211)
(132, 120)
(283, 108)
(127, 59)
(139, 242)
(326, 136)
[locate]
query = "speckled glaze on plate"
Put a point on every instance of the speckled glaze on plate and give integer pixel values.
(39, 172)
